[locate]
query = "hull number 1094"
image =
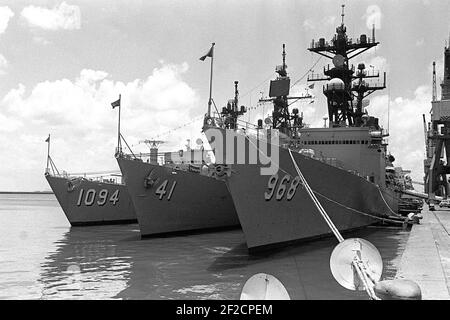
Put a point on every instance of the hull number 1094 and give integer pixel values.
(91, 195)
(282, 187)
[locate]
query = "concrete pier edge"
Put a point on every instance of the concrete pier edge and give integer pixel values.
(426, 258)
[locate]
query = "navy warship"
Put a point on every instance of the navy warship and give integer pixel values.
(180, 192)
(177, 195)
(344, 163)
(90, 200)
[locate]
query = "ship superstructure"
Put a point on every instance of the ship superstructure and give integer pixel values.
(344, 164)
(353, 137)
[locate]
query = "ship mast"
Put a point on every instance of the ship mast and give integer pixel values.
(231, 112)
(282, 119)
(153, 145)
(434, 96)
(346, 88)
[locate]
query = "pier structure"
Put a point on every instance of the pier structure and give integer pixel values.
(437, 134)
(426, 258)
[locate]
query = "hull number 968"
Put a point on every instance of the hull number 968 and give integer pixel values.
(282, 187)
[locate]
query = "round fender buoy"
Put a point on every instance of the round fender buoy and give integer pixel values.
(398, 289)
(262, 286)
(343, 255)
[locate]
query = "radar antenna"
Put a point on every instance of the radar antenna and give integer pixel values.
(286, 121)
(153, 146)
(346, 87)
(434, 82)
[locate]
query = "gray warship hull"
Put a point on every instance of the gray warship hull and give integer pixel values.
(275, 210)
(168, 200)
(87, 202)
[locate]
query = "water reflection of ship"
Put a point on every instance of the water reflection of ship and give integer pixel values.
(115, 263)
(88, 263)
(216, 265)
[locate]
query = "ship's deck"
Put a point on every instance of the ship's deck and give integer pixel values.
(426, 259)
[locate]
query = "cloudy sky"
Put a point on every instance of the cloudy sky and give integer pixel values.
(63, 62)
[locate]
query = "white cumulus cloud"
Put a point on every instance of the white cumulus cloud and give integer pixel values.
(373, 16)
(3, 64)
(329, 20)
(308, 24)
(406, 141)
(64, 16)
(5, 15)
(378, 63)
(78, 114)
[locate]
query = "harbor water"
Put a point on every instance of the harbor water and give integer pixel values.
(42, 257)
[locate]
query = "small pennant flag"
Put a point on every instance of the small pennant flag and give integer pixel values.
(209, 54)
(312, 101)
(311, 86)
(116, 103)
(48, 139)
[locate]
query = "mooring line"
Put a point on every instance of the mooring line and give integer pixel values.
(331, 200)
(357, 263)
(322, 211)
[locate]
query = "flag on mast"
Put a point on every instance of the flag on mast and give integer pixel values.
(209, 54)
(116, 103)
(48, 139)
(311, 86)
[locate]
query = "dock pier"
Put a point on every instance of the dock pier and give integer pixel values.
(426, 259)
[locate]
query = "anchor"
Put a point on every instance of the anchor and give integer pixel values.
(149, 181)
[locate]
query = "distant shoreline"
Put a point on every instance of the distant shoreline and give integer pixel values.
(26, 192)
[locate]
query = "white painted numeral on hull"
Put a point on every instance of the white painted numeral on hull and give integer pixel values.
(90, 196)
(161, 190)
(271, 184)
(80, 196)
(171, 190)
(115, 197)
(281, 191)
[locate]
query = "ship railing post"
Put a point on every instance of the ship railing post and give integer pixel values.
(119, 147)
(48, 154)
